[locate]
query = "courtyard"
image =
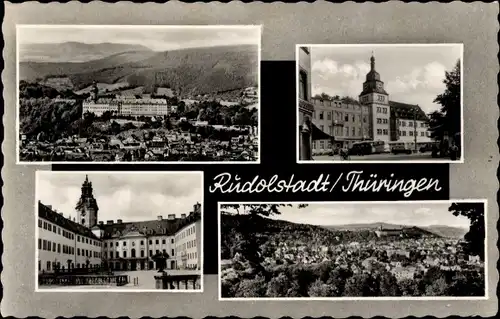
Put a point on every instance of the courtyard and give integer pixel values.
(138, 280)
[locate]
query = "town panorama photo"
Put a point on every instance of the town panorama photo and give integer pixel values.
(138, 93)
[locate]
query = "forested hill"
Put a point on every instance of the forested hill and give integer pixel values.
(436, 230)
(189, 71)
(300, 234)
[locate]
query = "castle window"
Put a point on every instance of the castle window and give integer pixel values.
(78, 251)
(150, 253)
(422, 133)
(40, 223)
(163, 241)
(83, 221)
(142, 242)
(172, 240)
(59, 248)
(39, 243)
(321, 115)
(124, 243)
(157, 242)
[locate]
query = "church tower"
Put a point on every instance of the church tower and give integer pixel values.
(86, 207)
(376, 98)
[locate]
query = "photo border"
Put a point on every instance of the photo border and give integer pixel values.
(297, 124)
(38, 173)
(308, 299)
(131, 26)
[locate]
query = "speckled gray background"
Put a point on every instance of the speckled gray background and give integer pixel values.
(284, 25)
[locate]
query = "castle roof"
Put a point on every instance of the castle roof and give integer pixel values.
(160, 227)
(405, 111)
(50, 215)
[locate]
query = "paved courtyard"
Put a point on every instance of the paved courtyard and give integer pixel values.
(145, 278)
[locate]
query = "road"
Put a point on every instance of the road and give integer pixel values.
(385, 157)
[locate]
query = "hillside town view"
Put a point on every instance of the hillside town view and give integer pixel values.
(125, 100)
(380, 103)
(270, 251)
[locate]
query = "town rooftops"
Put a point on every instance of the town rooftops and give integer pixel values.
(47, 213)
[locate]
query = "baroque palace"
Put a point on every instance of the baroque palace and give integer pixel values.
(85, 242)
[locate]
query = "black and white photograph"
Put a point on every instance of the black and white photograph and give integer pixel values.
(138, 94)
(375, 250)
(380, 103)
(119, 231)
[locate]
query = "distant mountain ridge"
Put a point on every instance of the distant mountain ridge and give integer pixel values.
(439, 230)
(73, 52)
(190, 71)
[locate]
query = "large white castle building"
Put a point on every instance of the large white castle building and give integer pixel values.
(85, 242)
(125, 105)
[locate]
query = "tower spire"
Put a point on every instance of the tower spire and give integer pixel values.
(372, 62)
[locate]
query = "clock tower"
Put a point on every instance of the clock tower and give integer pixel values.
(86, 207)
(376, 98)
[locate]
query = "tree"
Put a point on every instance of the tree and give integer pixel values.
(248, 246)
(320, 289)
(323, 96)
(437, 288)
(476, 235)
(278, 286)
(450, 101)
(252, 287)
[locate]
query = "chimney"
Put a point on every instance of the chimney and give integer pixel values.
(109, 222)
(61, 214)
(160, 217)
(119, 221)
(49, 206)
(101, 223)
(183, 215)
(171, 216)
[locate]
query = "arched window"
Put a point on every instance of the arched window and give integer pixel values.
(83, 221)
(133, 252)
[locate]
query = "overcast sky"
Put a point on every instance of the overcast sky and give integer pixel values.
(411, 214)
(130, 197)
(411, 74)
(155, 38)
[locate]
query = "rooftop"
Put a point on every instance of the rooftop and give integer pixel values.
(47, 213)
